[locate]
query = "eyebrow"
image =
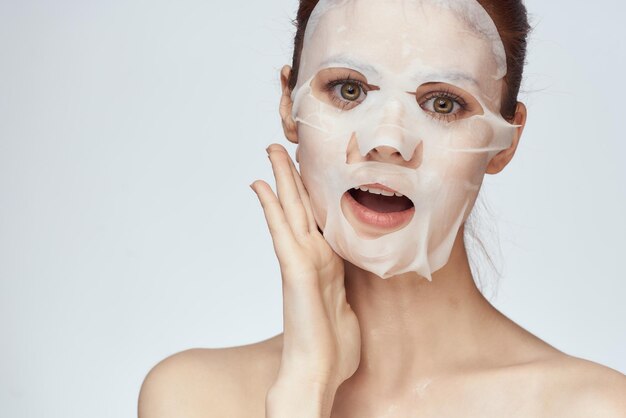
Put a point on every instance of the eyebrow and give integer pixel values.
(345, 60)
(342, 59)
(449, 76)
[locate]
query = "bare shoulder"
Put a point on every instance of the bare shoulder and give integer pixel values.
(201, 382)
(576, 387)
(557, 384)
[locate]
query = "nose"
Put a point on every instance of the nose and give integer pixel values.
(383, 154)
(386, 140)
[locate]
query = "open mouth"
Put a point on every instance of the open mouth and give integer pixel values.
(379, 207)
(380, 200)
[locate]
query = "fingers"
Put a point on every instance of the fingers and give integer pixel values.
(280, 230)
(289, 194)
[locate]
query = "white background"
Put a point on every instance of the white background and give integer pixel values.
(130, 131)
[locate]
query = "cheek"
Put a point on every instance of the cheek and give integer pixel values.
(471, 135)
(465, 177)
(314, 185)
(481, 138)
(463, 157)
(314, 160)
(462, 176)
(318, 152)
(467, 168)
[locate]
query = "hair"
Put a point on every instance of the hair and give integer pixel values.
(510, 17)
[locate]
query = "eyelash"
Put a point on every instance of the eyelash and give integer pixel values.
(446, 94)
(329, 87)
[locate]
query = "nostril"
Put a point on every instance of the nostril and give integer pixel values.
(387, 151)
(388, 154)
(383, 154)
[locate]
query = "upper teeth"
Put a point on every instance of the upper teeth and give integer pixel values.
(377, 191)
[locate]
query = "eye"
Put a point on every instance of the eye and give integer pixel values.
(350, 91)
(444, 105)
(346, 92)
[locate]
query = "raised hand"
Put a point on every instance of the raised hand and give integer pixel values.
(321, 340)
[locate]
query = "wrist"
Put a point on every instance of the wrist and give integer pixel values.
(301, 397)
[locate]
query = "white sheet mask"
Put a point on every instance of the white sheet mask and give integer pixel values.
(402, 47)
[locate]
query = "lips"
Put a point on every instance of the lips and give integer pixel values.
(379, 207)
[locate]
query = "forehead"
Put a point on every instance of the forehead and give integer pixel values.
(402, 35)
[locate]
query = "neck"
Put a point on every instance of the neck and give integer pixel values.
(411, 327)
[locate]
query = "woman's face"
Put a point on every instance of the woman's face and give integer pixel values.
(397, 104)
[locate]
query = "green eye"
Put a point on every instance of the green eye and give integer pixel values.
(350, 91)
(443, 105)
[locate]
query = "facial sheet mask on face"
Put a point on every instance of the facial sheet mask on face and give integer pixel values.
(410, 56)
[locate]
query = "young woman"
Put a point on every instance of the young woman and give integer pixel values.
(399, 109)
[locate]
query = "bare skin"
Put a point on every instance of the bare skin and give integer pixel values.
(486, 365)
(427, 349)
(233, 382)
